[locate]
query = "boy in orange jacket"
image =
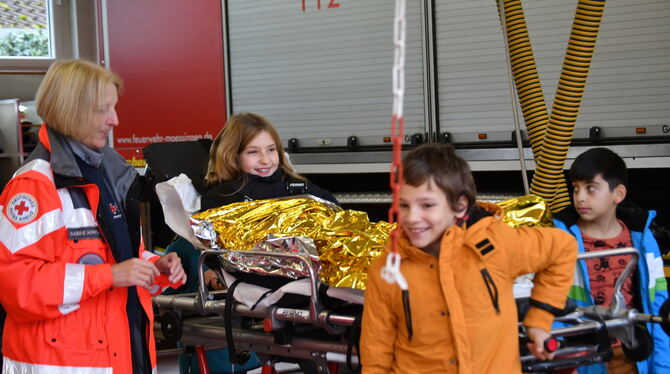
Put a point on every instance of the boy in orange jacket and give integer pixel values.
(460, 261)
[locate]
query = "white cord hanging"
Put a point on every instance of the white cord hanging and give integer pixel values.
(391, 271)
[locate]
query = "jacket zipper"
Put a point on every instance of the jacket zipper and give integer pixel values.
(491, 288)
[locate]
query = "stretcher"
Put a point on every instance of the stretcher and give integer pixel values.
(329, 338)
(295, 334)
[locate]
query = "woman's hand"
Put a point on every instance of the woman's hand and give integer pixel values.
(134, 272)
(170, 265)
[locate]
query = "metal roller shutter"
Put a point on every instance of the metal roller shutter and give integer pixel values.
(322, 75)
(629, 80)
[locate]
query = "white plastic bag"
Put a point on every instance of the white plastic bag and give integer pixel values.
(179, 201)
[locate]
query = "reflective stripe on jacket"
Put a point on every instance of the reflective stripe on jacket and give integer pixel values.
(63, 314)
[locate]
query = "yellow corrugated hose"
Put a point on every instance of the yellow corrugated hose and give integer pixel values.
(526, 79)
(550, 139)
(567, 101)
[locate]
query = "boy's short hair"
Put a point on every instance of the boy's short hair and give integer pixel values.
(449, 172)
(601, 161)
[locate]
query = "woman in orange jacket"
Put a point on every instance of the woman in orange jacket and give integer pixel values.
(460, 261)
(76, 281)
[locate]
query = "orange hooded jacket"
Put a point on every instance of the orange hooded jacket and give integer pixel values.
(463, 310)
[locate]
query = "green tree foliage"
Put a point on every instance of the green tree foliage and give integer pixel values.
(33, 43)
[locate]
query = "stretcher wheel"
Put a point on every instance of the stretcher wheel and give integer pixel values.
(171, 326)
(663, 312)
(645, 344)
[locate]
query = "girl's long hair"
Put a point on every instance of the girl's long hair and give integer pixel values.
(233, 138)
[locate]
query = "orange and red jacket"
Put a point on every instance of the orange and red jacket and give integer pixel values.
(63, 313)
(464, 316)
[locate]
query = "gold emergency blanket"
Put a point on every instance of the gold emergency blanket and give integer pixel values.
(346, 241)
(526, 211)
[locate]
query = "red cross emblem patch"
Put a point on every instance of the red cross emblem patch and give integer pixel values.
(22, 208)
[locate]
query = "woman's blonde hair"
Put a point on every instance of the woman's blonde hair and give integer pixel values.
(70, 93)
(238, 132)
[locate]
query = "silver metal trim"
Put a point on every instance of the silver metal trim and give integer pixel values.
(226, 62)
(429, 87)
(580, 133)
(105, 59)
(74, 31)
(489, 159)
(386, 198)
(618, 301)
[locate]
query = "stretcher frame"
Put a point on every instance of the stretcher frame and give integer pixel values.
(206, 329)
(614, 321)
